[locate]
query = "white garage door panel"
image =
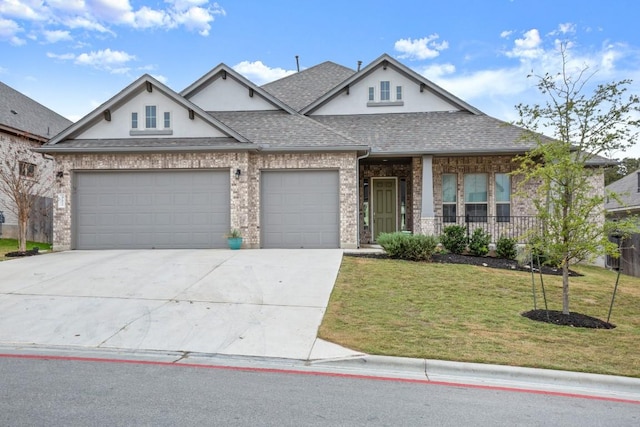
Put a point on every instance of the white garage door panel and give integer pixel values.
(300, 209)
(157, 209)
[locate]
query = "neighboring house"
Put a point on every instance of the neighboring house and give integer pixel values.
(22, 118)
(328, 157)
(625, 204)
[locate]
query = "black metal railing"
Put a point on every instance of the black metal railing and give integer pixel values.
(512, 227)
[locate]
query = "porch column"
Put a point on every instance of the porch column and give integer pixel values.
(428, 212)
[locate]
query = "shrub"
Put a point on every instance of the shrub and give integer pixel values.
(479, 242)
(506, 248)
(538, 250)
(454, 239)
(413, 247)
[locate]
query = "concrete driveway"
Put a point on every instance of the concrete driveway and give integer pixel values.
(249, 302)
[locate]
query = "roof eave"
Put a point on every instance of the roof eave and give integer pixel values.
(181, 149)
(310, 149)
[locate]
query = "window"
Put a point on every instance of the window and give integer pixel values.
(503, 197)
(27, 169)
(398, 93)
(385, 91)
(475, 197)
(167, 120)
(150, 116)
(371, 94)
(134, 120)
(449, 197)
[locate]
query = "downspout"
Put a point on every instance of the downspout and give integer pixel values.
(364, 156)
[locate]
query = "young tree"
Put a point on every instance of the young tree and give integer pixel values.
(23, 182)
(581, 129)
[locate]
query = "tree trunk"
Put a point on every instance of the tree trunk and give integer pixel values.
(22, 233)
(565, 287)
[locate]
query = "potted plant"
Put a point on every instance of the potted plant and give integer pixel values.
(234, 238)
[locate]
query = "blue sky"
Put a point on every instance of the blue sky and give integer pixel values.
(72, 55)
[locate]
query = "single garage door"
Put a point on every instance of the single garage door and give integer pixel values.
(300, 209)
(151, 209)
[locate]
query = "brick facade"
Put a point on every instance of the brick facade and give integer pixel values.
(245, 191)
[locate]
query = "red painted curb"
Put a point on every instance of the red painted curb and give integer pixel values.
(315, 373)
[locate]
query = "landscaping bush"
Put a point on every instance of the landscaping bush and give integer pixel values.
(454, 239)
(506, 248)
(413, 247)
(479, 242)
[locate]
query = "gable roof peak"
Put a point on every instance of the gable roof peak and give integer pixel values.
(142, 83)
(383, 61)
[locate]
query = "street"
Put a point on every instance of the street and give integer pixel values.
(41, 391)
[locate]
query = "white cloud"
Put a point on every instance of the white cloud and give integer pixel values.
(26, 9)
(113, 61)
(9, 31)
(63, 57)
(435, 71)
(104, 58)
(259, 73)
(420, 49)
(56, 36)
(149, 18)
(527, 47)
(159, 77)
(40, 17)
(505, 34)
(566, 28)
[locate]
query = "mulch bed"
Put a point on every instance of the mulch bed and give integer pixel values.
(576, 320)
(16, 254)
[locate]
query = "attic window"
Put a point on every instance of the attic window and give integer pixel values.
(150, 117)
(385, 96)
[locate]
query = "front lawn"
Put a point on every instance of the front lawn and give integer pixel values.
(11, 245)
(472, 314)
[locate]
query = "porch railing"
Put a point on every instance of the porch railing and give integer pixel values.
(513, 227)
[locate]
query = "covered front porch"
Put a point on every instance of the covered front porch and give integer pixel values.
(411, 194)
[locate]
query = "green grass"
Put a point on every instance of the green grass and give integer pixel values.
(472, 314)
(11, 245)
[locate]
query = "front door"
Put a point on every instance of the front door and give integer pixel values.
(384, 206)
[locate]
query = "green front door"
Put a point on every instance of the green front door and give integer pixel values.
(384, 206)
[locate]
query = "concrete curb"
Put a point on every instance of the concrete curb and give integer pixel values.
(491, 375)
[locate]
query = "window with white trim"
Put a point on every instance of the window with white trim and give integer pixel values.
(372, 93)
(385, 90)
(134, 120)
(167, 120)
(449, 196)
(475, 197)
(398, 93)
(150, 116)
(503, 197)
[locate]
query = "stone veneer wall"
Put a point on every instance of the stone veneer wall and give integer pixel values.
(245, 191)
(345, 163)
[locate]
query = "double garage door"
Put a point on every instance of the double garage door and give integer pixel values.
(191, 209)
(151, 209)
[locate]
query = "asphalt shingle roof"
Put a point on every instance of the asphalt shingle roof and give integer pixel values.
(301, 89)
(429, 133)
(281, 129)
(20, 112)
(627, 190)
